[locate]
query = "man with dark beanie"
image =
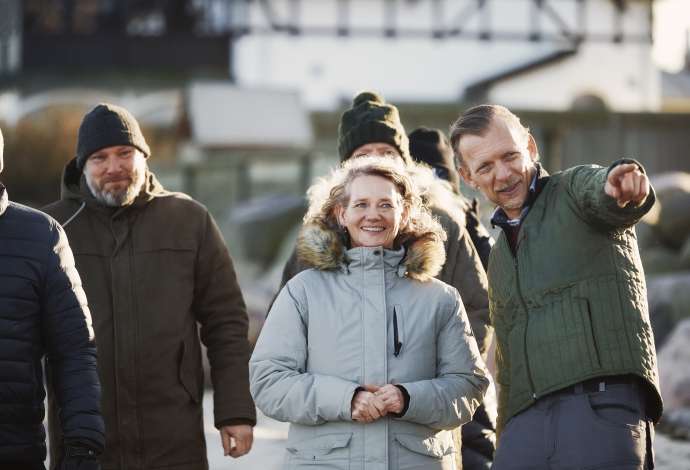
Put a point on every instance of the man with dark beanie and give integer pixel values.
(43, 314)
(155, 267)
(373, 127)
(431, 147)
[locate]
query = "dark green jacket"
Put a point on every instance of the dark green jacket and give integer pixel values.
(572, 304)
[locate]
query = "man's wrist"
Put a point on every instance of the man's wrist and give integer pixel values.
(236, 422)
(622, 161)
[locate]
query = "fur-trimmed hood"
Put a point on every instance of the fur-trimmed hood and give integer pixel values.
(437, 194)
(324, 249)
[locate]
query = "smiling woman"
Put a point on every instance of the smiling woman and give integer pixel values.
(368, 357)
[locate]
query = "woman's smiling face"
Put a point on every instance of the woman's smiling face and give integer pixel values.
(373, 213)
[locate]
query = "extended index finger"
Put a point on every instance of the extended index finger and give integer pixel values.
(620, 170)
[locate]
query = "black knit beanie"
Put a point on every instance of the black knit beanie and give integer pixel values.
(2, 147)
(108, 125)
(371, 120)
(431, 146)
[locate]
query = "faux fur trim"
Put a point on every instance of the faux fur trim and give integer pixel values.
(322, 248)
(437, 194)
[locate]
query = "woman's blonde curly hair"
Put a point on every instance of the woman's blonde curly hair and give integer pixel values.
(331, 192)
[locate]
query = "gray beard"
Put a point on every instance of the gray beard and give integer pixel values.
(118, 198)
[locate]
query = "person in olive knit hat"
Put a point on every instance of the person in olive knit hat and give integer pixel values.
(371, 120)
(373, 127)
(160, 280)
(44, 316)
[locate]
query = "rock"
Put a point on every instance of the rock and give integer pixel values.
(669, 300)
(673, 213)
(646, 235)
(676, 423)
(674, 369)
(685, 252)
(659, 259)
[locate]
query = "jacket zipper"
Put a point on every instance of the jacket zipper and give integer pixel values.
(397, 345)
(524, 343)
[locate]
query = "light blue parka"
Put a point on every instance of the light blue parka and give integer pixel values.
(332, 329)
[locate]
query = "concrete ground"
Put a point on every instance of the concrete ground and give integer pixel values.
(270, 435)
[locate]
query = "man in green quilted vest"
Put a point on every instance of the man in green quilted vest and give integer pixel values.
(575, 357)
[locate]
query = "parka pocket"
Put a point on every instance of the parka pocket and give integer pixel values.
(331, 450)
(561, 341)
(417, 452)
(188, 372)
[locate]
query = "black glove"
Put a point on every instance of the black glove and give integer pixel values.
(78, 457)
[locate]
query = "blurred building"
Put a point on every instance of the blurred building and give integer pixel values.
(676, 86)
(527, 54)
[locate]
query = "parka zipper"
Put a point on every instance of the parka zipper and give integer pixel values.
(397, 345)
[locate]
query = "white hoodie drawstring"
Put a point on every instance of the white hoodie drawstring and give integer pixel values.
(83, 204)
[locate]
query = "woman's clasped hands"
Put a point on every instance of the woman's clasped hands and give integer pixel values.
(374, 402)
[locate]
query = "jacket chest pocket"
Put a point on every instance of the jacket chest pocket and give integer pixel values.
(329, 451)
(562, 340)
(411, 344)
(164, 276)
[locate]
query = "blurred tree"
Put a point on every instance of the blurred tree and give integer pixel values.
(36, 150)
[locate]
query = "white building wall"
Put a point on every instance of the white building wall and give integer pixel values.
(623, 76)
(326, 70)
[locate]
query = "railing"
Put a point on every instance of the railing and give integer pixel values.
(111, 51)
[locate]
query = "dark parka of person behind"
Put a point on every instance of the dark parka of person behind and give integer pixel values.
(431, 147)
(154, 270)
(43, 313)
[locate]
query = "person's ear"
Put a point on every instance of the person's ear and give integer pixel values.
(339, 212)
(532, 148)
(466, 177)
(405, 217)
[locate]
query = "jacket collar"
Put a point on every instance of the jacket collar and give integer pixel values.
(539, 179)
(4, 201)
(325, 249)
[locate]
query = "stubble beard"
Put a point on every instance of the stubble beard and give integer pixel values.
(119, 198)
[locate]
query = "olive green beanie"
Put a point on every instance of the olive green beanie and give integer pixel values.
(371, 120)
(108, 125)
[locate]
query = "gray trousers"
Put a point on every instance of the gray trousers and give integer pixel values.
(579, 429)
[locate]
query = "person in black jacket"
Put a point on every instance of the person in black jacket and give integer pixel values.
(431, 146)
(44, 313)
